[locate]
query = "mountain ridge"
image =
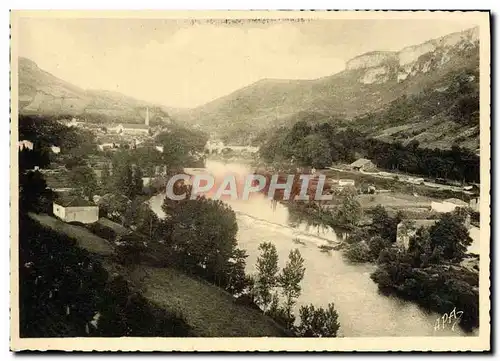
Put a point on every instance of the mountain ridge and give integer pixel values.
(370, 81)
(40, 92)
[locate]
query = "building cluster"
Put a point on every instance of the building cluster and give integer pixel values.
(408, 228)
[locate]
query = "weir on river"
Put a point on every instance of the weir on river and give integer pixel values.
(363, 311)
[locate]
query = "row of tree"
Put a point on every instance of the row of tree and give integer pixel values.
(429, 271)
(276, 293)
(320, 145)
(64, 292)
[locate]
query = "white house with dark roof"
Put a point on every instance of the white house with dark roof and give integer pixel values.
(25, 144)
(75, 209)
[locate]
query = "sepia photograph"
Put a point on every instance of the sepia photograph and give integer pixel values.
(250, 180)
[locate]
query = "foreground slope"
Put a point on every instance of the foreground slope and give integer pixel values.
(208, 310)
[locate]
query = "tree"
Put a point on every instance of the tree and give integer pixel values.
(280, 313)
(267, 270)
(349, 212)
(137, 182)
(180, 145)
(358, 252)
(130, 249)
(450, 234)
(84, 178)
(383, 225)
(34, 195)
(106, 179)
(62, 288)
(421, 251)
(114, 206)
(123, 180)
(376, 245)
(237, 280)
(318, 322)
(142, 218)
(290, 278)
(38, 157)
(314, 151)
(203, 237)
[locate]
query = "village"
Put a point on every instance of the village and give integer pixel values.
(421, 199)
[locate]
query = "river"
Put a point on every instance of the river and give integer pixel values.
(363, 311)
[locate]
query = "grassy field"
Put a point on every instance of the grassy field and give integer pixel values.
(211, 311)
(394, 200)
(86, 239)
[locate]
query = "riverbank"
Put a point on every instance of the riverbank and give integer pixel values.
(363, 310)
(365, 244)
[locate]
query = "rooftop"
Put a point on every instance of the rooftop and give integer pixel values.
(360, 162)
(136, 126)
(456, 201)
(73, 201)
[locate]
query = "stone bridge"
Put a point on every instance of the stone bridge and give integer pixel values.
(219, 147)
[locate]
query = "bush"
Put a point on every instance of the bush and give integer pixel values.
(436, 288)
(358, 253)
(130, 249)
(318, 322)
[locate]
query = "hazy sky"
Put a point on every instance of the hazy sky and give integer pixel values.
(184, 64)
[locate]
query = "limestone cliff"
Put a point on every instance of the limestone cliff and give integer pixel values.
(383, 66)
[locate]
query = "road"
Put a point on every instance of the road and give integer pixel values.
(388, 175)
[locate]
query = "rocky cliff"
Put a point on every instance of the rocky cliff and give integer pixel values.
(383, 66)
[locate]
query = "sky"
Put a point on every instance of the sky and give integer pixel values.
(183, 64)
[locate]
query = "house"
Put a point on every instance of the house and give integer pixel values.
(214, 146)
(25, 144)
(106, 146)
(55, 149)
(472, 189)
(159, 148)
(448, 205)
(75, 209)
(363, 164)
(414, 180)
(129, 129)
(408, 228)
(132, 129)
(346, 183)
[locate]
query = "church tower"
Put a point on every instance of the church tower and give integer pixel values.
(146, 121)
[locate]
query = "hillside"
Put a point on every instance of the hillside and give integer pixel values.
(208, 310)
(42, 93)
(370, 82)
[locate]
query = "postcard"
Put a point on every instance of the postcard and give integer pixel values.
(250, 180)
